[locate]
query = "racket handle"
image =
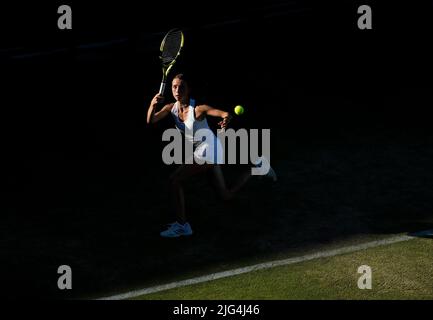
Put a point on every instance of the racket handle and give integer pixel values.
(162, 88)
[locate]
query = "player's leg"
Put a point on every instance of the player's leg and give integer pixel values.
(181, 227)
(177, 179)
(220, 183)
(226, 193)
(242, 180)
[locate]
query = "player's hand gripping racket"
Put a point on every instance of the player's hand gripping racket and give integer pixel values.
(223, 123)
(170, 48)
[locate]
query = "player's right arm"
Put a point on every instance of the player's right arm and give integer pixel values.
(153, 115)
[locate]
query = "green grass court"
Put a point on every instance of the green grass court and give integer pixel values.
(399, 271)
(344, 189)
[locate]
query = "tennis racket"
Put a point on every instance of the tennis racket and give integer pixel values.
(170, 48)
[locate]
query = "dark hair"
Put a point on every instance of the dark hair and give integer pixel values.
(183, 77)
(193, 86)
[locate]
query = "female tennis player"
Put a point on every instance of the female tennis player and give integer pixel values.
(187, 115)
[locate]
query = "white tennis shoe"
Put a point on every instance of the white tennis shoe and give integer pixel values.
(263, 162)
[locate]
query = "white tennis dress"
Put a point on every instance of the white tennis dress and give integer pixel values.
(207, 147)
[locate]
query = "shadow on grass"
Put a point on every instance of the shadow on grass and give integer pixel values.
(105, 222)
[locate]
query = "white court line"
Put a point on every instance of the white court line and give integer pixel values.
(267, 265)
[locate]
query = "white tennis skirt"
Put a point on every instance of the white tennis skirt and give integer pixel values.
(208, 152)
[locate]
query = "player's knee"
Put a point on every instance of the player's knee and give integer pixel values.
(227, 195)
(174, 181)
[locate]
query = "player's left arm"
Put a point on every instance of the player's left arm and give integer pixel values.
(205, 110)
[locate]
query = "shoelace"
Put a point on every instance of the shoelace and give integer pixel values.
(171, 224)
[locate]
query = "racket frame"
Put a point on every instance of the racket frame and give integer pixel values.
(167, 67)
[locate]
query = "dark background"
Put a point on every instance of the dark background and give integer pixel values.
(80, 163)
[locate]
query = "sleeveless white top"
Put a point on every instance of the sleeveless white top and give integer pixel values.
(206, 149)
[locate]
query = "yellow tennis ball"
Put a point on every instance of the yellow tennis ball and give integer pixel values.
(239, 110)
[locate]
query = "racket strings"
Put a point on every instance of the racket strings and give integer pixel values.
(171, 46)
